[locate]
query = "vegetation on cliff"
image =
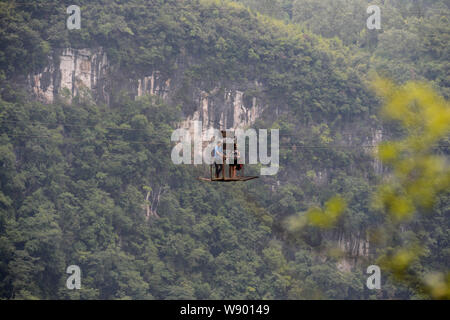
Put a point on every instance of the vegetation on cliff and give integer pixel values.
(75, 176)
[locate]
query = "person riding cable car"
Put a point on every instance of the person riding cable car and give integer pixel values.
(218, 158)
(236, 166)
(220, 154)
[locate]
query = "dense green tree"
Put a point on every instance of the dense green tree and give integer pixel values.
(93, 185)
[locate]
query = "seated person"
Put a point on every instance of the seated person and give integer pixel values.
(235, 166)
(218, 158)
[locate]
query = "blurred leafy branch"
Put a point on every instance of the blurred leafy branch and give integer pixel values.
(417, 174)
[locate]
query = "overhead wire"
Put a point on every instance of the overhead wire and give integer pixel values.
(97, 126)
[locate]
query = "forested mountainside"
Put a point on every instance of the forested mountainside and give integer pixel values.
(411, 45)
(86, 117)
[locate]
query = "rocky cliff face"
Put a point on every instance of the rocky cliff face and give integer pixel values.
(377, 138)
(71, 72)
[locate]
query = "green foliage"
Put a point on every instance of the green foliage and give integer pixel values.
(417, 177)
(76, 178)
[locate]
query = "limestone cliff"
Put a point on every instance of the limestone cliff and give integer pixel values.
(72, 71)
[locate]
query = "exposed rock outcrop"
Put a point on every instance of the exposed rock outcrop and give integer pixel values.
(71, 71)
